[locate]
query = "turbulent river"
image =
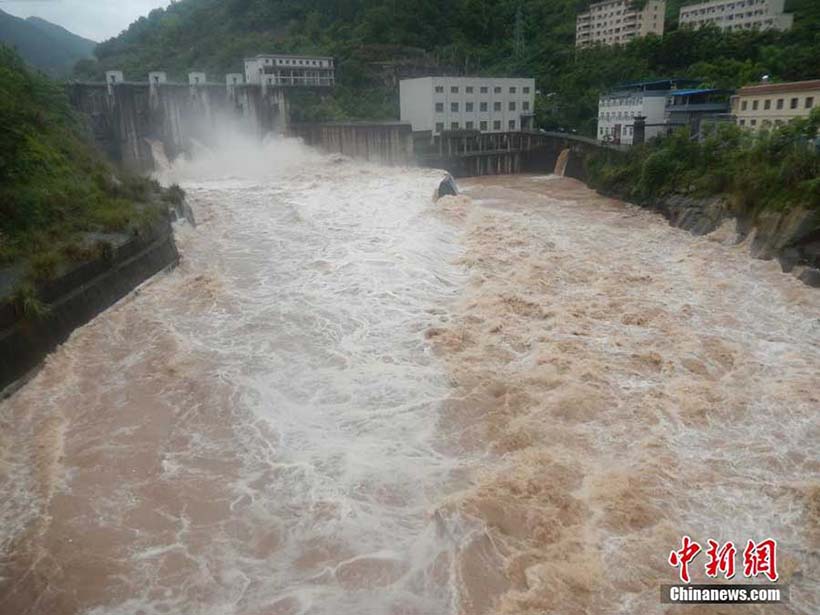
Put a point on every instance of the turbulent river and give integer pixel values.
(348, 399)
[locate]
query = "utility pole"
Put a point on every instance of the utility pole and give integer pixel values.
(518, 33)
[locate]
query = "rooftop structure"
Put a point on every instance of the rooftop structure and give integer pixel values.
(616, 22)
(642, 101)
(290, 70)
(691, 107)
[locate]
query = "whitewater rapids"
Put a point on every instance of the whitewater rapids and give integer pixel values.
(350, 399)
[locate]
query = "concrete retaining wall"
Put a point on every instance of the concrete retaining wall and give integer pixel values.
(389, 143)
(78, 296)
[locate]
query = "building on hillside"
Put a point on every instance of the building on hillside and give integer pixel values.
(694, 107)
(736, 15)
(290, 70)
(774, 104)
(485, 104)
(616, 22)
(643, 101)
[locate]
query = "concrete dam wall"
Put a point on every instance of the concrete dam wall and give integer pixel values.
(126, 118)
(389, 143)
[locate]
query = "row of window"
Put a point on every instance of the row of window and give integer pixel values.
(794, 103)
(627, 130)
(454, 89)
(763, 124)
(483, 126)
(714, 9)
(624, 100)
(619, 115)
(483, 107)
(297, 62)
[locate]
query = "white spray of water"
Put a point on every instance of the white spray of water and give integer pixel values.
(256, 430)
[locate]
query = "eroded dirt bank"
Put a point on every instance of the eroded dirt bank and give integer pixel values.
(628, 383)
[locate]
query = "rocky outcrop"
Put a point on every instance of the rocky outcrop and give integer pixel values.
(698, 216)
(792, 237)
(447, 187)
(77, 296)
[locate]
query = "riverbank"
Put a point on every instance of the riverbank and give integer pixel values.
(767, 182)
(35, 323)
(791, 237)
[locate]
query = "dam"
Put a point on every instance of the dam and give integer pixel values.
(129, 121)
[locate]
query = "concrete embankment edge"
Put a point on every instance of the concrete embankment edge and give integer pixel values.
(76, 298)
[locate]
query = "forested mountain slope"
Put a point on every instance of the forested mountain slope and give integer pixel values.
(44, 45)
(518, 37)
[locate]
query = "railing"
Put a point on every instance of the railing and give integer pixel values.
(299, 81)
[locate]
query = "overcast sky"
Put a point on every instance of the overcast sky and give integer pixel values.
(94, 19)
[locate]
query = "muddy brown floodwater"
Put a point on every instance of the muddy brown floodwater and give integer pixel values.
(349, 399)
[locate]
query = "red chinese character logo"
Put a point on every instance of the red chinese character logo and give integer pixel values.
(721, 559)
(760, 559)
(681, 559)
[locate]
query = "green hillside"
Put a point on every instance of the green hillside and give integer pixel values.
(516, 37)
(44, 45)
(56, 190)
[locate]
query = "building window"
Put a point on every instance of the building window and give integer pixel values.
(497, 89)
(454, 126)
(454, 107)
(439, 89)
(496, 106)
(469, 89)
(526, 90)
(794, 103)
(482, 106)
(468, 107)
(753, 122)
(439, 126)
(754, 105)
(742, 122)
(469, 125)
(512, 105)
(525, 105)
(767, 104)
(484, 89)
(744, 105)
(512, 124)
(779, 103)
(497, 125)
(809, 102)
(439, 107)
(513, 90)
(483, 126)
(454, 89)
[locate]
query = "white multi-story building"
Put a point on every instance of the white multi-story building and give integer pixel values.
(616, 22)
(290, 70)
(486, 104)
(737, 15)
(618, 110)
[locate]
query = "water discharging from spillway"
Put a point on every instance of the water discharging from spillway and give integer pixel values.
(347, 399)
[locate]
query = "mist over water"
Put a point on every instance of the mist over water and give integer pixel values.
(349, 399)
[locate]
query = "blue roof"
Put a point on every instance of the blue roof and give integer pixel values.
(690, 92)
